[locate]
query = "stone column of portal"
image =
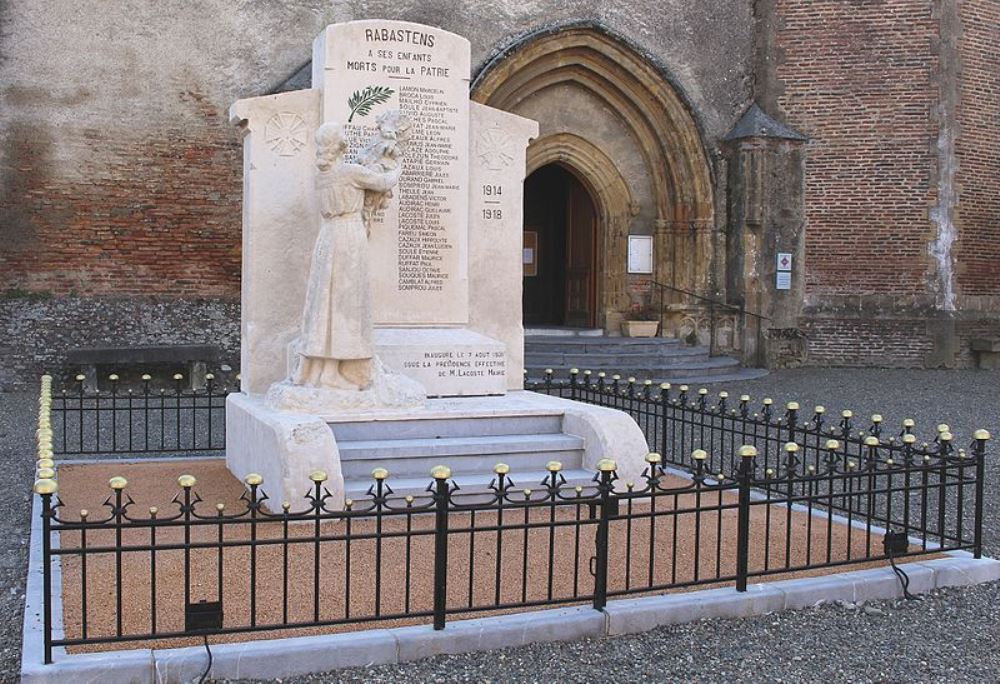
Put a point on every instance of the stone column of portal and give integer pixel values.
(663, 272)
(767, 218)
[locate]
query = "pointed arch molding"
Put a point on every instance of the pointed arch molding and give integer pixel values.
(614, 203)
(674, 155)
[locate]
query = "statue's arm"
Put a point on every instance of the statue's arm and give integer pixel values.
(372, 180)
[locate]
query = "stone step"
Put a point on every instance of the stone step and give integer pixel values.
(562, 331)
(626, 360)
(469, 483)
(737, 375)
(395, 450)
(585, 344)
(464, 464)
(434, 428)
(718, 365)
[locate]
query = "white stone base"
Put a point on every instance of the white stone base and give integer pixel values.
(283, 448)
(388, 390)
(448, 362)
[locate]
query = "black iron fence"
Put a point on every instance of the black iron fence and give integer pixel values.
(759, 493)
(145, 419)
(199, 567)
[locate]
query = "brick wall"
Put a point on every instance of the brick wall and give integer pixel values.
(158, 214)
(978, 149)
(857, 78)
(900, 343)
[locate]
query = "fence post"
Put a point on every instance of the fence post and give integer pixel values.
(605, 487)
(440, 474)
(46, 488)
(662, 410)
(979, 449)
(791, 419)
(747, 455)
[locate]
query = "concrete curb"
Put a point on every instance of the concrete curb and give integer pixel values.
(302, 655)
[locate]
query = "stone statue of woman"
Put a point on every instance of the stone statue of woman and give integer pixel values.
(335, 346)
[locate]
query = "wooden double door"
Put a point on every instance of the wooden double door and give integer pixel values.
(560, 250)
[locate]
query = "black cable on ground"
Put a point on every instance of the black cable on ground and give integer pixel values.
(208, 669)
(904, 579)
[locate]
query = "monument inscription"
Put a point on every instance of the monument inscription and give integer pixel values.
(419, 240)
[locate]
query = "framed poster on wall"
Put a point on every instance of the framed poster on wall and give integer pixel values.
(640, 254)
(529, 253)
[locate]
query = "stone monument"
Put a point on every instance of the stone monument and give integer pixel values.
(381, 284)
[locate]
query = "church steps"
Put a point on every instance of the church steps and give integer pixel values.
(654, 358)
(717, 365)
(599, 344)
(622, 360)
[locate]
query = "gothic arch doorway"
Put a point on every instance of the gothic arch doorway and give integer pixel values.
(613, 120)
(591, 173)
(560, 225)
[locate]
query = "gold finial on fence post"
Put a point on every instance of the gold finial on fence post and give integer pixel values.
(607, 465)
(44, 465)
(441, 472)
(45, 487)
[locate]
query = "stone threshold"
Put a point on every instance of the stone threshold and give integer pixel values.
(302, 655)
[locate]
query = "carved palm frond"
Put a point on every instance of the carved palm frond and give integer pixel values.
(362, 101)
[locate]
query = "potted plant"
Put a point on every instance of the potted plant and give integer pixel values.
(641, 321)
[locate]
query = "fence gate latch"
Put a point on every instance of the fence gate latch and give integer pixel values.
(204, 616)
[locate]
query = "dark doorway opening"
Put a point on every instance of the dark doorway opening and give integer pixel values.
(560, 240)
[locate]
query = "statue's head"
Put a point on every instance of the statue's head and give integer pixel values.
(330, 144)
(394, 125)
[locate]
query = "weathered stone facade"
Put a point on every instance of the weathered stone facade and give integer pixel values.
(120, 176)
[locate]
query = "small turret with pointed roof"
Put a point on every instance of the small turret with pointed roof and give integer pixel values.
(756, 123)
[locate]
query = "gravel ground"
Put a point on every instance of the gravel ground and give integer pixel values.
(950, 635)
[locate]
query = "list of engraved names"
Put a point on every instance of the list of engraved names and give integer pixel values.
(425, 213)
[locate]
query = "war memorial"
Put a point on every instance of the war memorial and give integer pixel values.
(394, 486)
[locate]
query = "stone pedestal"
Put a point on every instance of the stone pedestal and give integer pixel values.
(283, 448)
(447, 362)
